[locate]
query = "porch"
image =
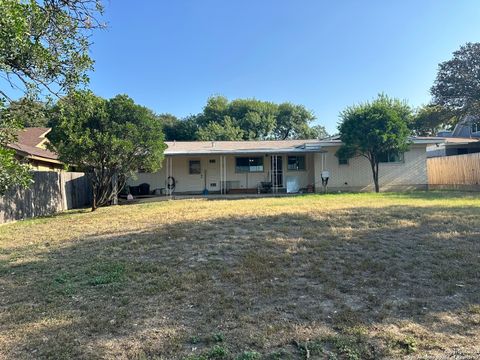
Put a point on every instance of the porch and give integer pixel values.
(252, 173)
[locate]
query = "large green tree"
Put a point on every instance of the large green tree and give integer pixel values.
(428, 120)
(108, 139)
(373, 129)
(292, 122)
(457, 86)
(226, 131)
(43, 48)
(28, 112)
(179, 129)
(243, 119)
(44, 43)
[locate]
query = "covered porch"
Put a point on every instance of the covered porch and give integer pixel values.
(229, 173)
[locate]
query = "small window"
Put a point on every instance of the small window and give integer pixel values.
(391, 157)
(296, 163)
(342, 161)
(248, 164)
(194, 167)
(213, 184)
(212, 161)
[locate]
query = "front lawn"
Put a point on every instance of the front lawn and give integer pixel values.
(342, 276)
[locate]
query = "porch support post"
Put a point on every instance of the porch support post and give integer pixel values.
(221, 174)
(168, 174)
(225, 173)
(171, 173)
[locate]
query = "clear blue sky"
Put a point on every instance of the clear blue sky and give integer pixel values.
(172, 55)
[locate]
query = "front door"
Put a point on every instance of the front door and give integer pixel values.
(276, 165)
(213, 171)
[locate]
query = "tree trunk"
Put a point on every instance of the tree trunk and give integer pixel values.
(94, 199)
(374, 165)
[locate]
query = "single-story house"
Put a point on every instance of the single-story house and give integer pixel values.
(31, 145)
(454, 146)
(226, 167)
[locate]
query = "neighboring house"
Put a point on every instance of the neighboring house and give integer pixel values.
(464, 139)
(454, 146)
(31, 146)
(279, 166)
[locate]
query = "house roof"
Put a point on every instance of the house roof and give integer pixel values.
(460, 141)
(264, 146)
(31, 144)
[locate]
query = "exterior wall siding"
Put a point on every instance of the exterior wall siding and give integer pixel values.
(357, 175)
(187, 183)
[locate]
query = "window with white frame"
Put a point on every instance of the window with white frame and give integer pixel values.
(296, 163)
(194, 167)
(249, 164)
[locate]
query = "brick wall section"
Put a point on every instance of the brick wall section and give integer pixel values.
(357, 175)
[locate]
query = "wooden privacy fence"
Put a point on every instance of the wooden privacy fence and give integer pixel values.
(50, 193)
(455, 172)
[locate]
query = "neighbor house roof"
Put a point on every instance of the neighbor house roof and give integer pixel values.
(460, 141)
(31, 143)
(264, 146)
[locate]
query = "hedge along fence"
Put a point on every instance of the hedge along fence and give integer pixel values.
(454, 172)
(50, 193)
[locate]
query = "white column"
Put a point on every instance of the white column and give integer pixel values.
(221, 174)
(166, 175)
(225, 173)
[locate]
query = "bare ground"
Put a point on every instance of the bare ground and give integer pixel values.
(320, 277)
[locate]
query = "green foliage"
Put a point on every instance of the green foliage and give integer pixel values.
(408, 344)
(106, 273)
(28, 112)
(221, 132)
(217, 352)
(315, 132)
(12, 171)
(243, 119)
(44, 44)
(456, 86)
(292, 122)
(374, 128)
(249, 355)
(218, 337)
(179, 130)
(106, 139)
(430, 119)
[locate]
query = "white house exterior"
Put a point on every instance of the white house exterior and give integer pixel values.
(224, 167)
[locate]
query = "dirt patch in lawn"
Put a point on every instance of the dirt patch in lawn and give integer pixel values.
(344, 276)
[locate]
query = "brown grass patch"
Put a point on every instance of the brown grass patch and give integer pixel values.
(347, 276)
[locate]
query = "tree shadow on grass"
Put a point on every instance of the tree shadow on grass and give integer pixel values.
(262, 281)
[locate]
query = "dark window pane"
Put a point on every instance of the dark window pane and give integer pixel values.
(249, 164)
(391, 157)
(296, 163)
(194, 167)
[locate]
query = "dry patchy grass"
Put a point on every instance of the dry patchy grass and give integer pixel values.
(339, 276)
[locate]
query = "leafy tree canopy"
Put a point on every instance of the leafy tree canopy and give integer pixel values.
(43, 48)
(44, 44)
(457, 86)
(373, 129)
(28, 112)
(244, 119)
(12, 171)
(227, 131)
(108, 139)
(428, 120)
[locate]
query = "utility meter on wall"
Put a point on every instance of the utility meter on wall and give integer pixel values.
(325, 175)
